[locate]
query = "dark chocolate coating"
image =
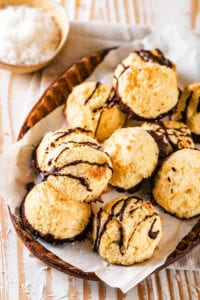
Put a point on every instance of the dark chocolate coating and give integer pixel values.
(147, 55)
(49, 237)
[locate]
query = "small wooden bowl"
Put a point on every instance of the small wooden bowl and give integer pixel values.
(59, 15)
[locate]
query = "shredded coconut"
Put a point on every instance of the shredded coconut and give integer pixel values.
(28, 36)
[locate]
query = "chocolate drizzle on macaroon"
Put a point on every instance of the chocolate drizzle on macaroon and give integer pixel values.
(187, 103)
(119, 210)
(58, 171)
(69, 131)
(110, 101)
(170, 135)
(74, 159)
(154, 56)
(153, 234)
(93, 92)
(124, 68)
(188, 109)
(85, 144)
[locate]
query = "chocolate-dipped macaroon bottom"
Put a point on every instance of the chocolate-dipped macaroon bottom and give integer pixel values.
(53, 217)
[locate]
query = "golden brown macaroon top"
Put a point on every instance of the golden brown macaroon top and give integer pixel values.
(74, 163)
(126, 230)
(177, 184)
(146, 83)
(53, 216)
(93, 106)
(134, 156)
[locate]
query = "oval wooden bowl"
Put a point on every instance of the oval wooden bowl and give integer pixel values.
(53, 97)
(59, 15)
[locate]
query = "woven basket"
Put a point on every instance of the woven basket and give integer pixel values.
(54, 96)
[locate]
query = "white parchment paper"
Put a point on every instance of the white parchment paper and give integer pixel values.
(184, 49)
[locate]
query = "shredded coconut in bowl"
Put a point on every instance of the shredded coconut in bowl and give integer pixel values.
(28, 35)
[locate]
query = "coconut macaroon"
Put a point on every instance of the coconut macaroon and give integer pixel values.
(170, 135)
(92, 105)
(54, 217)
(134, 155)
(176, 186)
(74, 164)
(146, 83)
(51, 147)
(126, 231)
(188, 108)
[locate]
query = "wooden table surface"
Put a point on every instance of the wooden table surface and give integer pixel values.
(51, 284)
